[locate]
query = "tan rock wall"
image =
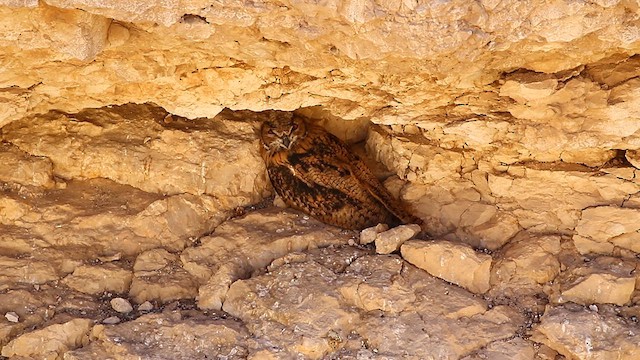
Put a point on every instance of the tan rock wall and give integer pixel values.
(510, 126)
(395, 60)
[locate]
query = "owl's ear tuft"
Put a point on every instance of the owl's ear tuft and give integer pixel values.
(275, 115)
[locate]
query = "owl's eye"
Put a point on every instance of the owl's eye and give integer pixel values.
(271, 132)
(294, 127)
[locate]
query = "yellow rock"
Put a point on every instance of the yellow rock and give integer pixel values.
(456, 263)
(52, 341)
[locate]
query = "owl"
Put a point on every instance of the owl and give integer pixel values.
(315, 172)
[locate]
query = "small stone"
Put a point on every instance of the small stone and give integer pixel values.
(145, 306)
(391, 240)
(110, 258)
(12, 317)
(111, 320)
(121, 305)
(368, 235)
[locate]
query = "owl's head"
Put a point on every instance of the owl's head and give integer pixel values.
(282, 132)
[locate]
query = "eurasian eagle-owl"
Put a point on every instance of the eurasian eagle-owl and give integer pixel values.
(315, 172)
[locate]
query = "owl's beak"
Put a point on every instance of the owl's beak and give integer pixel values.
(286, 142)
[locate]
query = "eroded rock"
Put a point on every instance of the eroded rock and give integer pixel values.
(99, 279)
(571, 191)
(391, 298)
(457, 263)
(244, 245)
(576, 332)
(601, 288)
(137, 145)
(269, 57)
(159, 275)
(103, 218)
(603, 280)
(512, 349)
(453, 211)
(31, 308)
(633, 156)
(520, 118)
(524, 266)
(601, 229)
(50, 342)
(19, 167)
(173, 335)
(391, 240)
(28, 271)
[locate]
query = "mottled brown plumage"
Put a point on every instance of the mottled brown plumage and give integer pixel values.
(313, 171)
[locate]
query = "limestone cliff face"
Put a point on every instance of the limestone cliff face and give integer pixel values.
(510, 127)
(391, 61)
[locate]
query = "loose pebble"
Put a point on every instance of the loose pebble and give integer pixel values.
(12, 317)
(145, 306)
(391, 240)
(368, 235)
(121, 305)
(111, 320)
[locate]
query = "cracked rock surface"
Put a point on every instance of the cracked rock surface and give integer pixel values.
(104, 261)
(136, 217)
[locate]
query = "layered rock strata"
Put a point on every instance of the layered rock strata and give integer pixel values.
(131, 222)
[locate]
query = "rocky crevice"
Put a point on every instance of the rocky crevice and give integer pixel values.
(511, 128)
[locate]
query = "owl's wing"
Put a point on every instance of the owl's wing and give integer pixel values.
(377, 190)
(333, 165)
(381, 193)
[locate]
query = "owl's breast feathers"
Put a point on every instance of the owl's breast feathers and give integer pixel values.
(319, 175)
